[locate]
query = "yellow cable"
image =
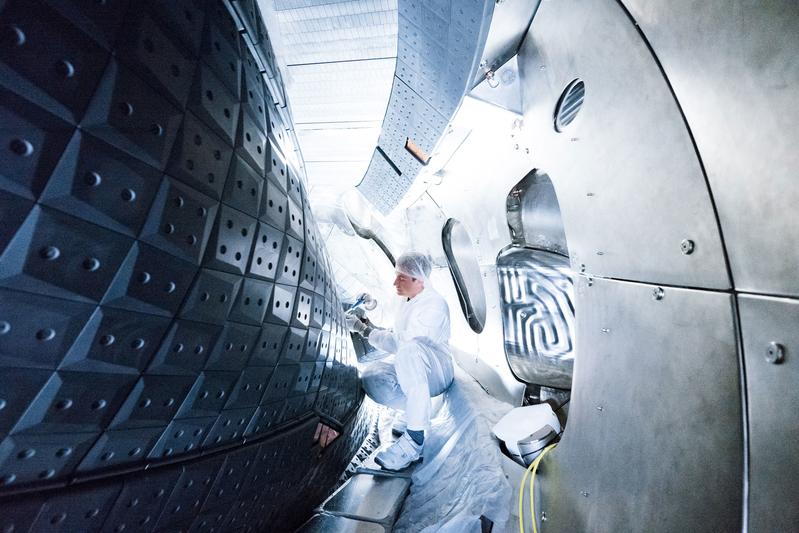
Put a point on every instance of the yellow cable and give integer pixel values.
(521, 497)
(532, 483)
(532, 469)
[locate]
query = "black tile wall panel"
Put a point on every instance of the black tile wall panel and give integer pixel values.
(182, 20)
(288, 268)
(266, 252)
(274, 206)
(115, 340)
(20, 386)
(141, 500)
(294, 345)
(220, 51)
(121, 320)
(147, 48)
(118, 447)
(233, 348)
(230, 426)
(38, 458)
(75, 402)
(180, 221)
(276, 169)
(243, 187)
(209, 394)
(62, 256)
(269, 345)
(18, 515)
(131, 115)
(153, 402)
(200, 158)
(215, 104)
(101, 184)
(189, 493)
(250, 388)
(32, 141)
(185, 348)
(251, 142)
(279, 311)
(48, 59)
(82, 511)
(252, 301)
(182, 436)
(150, 281)
(231, 241)
(36, 331)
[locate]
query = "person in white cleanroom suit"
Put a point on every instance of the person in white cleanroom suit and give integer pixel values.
(422, 364)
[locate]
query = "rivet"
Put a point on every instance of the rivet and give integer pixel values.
(92, 179)
(126, 108)
(658, 293)
(17, 36)
(134, 452)
(600, 408)
(137, 344)
(687, 246)
(8, 479)
(99, 404)
(5, 327)
(144, 278)
(65, 68)
(590, 282)
(45, 334)
(57, 519)
(49, 253)
(170, 287)
(91, 264)
(605, 330)
(26, 454)
(3, 404)
(92, 513)
(157, 129)
(543, 516)
(63, 405)
(63, 452)
(21, 147)
(775, 353)
(107, 456)
(107, 340)
(585, 493)
(128, 195)
(169, 229)
(47, 474)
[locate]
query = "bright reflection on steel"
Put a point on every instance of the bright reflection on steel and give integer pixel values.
(537, 291)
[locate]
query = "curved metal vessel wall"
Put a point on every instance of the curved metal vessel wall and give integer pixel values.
(165, 302)
(669, 228)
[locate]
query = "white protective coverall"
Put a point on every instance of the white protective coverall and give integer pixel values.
(422, 364)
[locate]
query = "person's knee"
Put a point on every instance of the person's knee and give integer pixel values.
(379, 381)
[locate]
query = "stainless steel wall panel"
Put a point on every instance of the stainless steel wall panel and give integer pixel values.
(654, 435)
(630, 186)
(737, 90)
(771, 347)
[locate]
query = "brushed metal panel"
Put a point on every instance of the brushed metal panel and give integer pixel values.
(625, 171)
(733, 66)
(773, 401)
(369, 497)
(654, 436)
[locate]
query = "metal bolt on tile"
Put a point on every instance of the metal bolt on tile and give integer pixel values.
(658, 293)
(585, 493)
(687, 246)
(605, 330)
(600, 408)
(775, 353)
(543, 516)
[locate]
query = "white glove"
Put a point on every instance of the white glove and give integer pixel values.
(354, 323)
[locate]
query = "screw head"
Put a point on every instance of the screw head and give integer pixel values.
(775, 353)
(687, 246)
(658, 293)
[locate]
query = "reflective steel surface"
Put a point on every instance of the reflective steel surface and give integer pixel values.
(465, 272)
(537, 291)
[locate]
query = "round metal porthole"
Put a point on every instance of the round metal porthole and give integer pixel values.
(569, 104)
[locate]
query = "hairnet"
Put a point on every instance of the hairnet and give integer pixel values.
(414, 264)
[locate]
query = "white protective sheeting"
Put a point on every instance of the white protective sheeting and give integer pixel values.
(461, 477)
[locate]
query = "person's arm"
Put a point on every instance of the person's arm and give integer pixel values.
(383, 339)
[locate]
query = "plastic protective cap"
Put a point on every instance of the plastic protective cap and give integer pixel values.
(414, 264)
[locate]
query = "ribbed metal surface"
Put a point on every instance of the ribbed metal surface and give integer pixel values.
(537, 290)
(570, 103)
